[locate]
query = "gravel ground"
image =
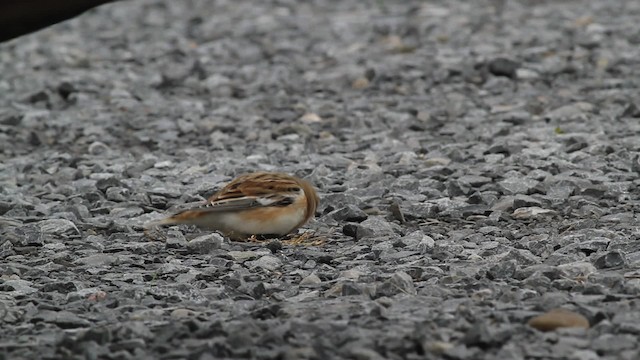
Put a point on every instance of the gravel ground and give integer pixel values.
(477, 164)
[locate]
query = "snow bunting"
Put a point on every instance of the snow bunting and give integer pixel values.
(261, 203)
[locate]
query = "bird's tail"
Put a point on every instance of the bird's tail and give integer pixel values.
(158, 223)
(186, 217)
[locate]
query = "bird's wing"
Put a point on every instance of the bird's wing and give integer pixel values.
(256, 190)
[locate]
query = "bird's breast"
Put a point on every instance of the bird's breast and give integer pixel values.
(279, 220)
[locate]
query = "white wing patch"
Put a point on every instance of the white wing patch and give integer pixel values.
(265, 201)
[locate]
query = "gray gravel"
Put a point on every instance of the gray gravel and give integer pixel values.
(477, 162)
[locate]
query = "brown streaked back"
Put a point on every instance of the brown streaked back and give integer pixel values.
(258, 184)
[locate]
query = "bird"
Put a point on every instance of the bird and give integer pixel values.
(254, 204)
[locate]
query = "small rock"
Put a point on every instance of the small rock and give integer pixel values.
(183, 313)
(516, 117)
(560, 192)
(523, 257)
(573, 111)
(611, 259)
(304, 296)
(486, 335)
(413, 239)
(594, 245)
(61, 287)
(27, 235)
(96, 260)
(437, 347)
(577, 269)
(98, 334)
(517, 185)
(6, 249)
(243, 256)
(521, 200)
(458, 188)
(375, 226)
(350, 213)
(175, 240)
(351, 274)
(558, 318)
(310, 118)
(98, 148)
(86, 293)
(474, 180)
(613, 343)
(205, 244)
(360, 83)
(502, 270)
(65, 89)
(584, 355)
(623, 217)
(293, 353)
(527, 74)
(363, 353)
(267, 262)
(18, 287)
(552, 300)
(530, 212)
(503, 67)
(118, 194)
(167, 164)
(351, 230)
(172, 192)
(349, 288)
(551, 272)
(595, 191)
(104, 184)
(400, 282)
(10, 117)
(127, 212)
(274, 246)
(436, 161)
(397, 213)
(127, 345)
(334, 291)
(312, 279)
(426, 244)
(255, 289)
(503, 204)
(63, 319)
(631, 111)
(58, 227)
